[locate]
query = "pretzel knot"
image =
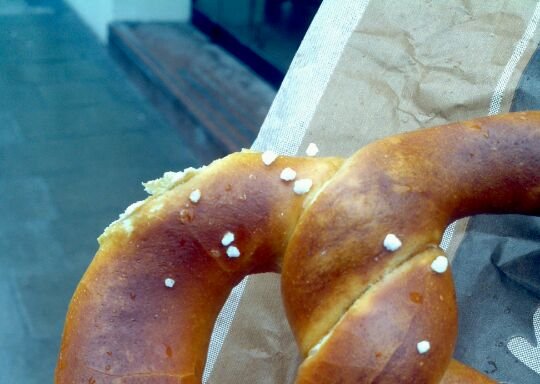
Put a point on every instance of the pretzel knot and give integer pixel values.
(368, 293)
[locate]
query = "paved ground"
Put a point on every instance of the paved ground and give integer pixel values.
(76, 140)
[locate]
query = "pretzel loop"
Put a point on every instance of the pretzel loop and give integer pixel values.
(367, 292)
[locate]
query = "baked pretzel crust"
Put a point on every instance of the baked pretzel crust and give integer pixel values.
(357, 309)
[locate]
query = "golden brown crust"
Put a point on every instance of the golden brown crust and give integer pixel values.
(458, 373)
(124, 323)
(125, 326)
(410, 305)
(412, 185)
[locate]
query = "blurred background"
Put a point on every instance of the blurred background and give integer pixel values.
(96, 97)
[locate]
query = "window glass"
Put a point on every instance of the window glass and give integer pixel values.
(273, 29)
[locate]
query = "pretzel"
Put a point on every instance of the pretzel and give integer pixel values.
(368, 293)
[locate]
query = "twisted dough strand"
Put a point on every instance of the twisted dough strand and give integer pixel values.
(145, 308)
(413, 186)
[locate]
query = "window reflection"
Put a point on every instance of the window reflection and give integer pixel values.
(272, 29)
